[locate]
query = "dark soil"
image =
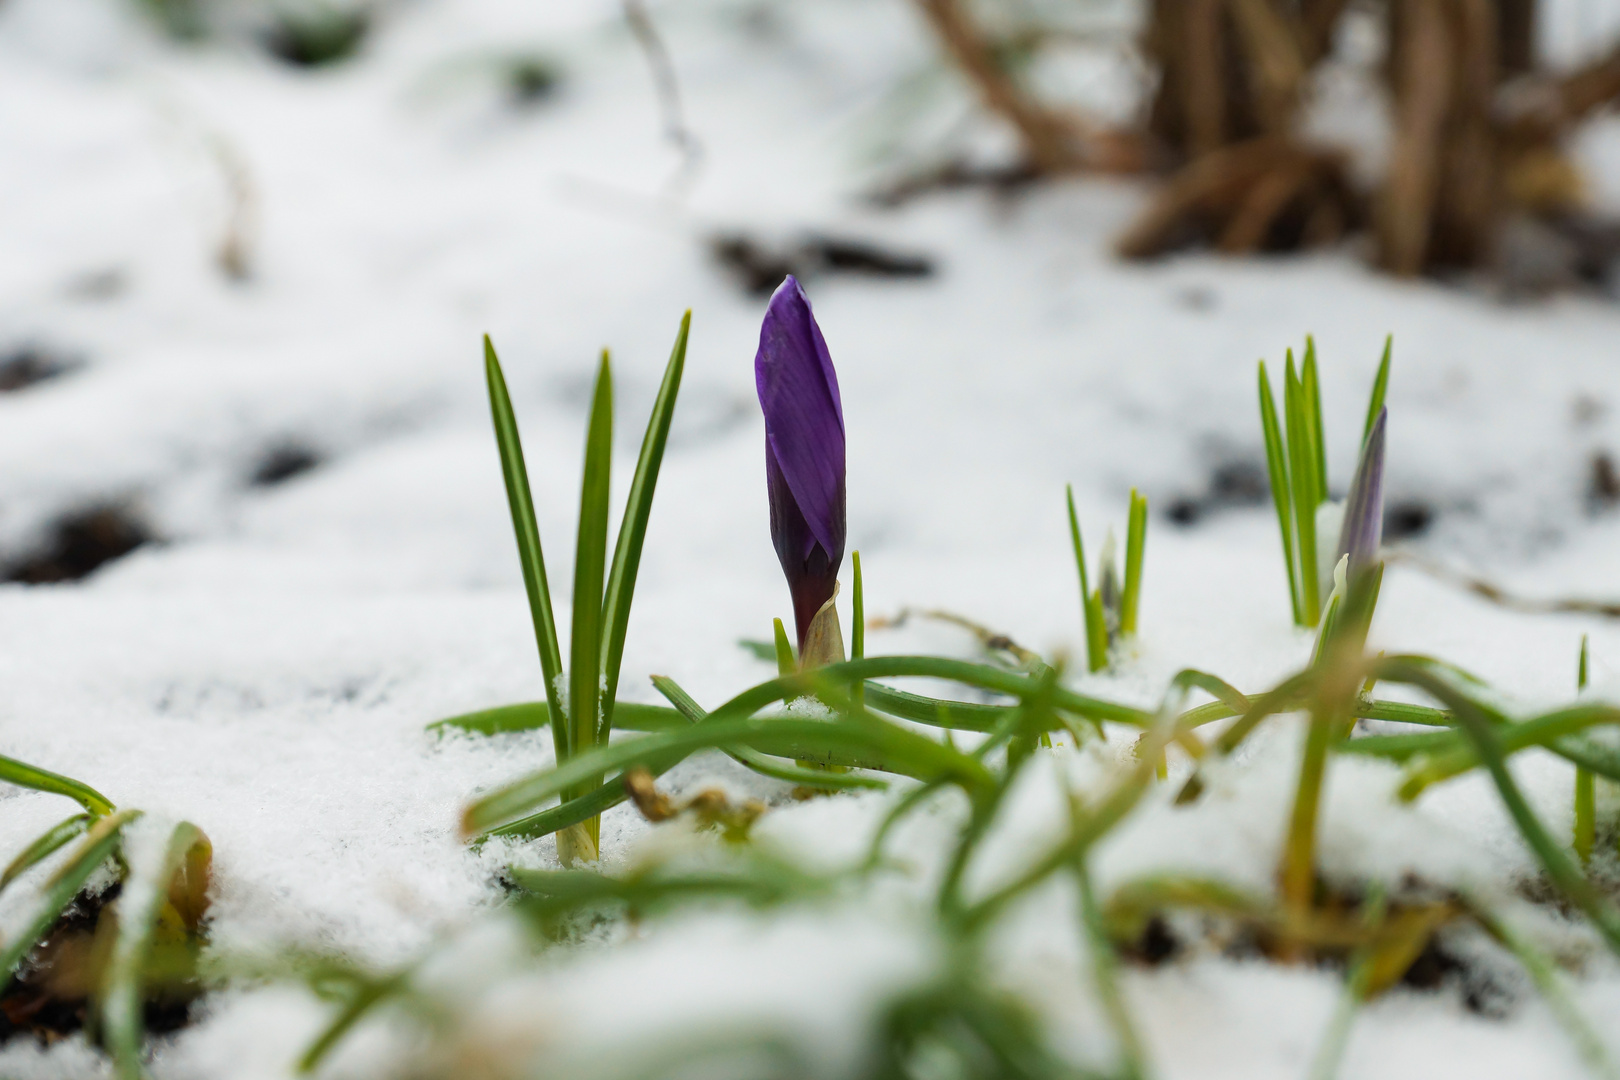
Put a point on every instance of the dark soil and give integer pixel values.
(49, 999)
(80, 543)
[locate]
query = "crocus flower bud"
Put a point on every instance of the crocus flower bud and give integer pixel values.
(1364, 509)
(804, 464)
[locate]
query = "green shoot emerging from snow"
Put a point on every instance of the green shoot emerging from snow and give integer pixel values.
(601, 610)
(1296, 461)
(1109, 613)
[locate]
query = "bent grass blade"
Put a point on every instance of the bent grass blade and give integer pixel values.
(47, 844)
(31, 776)
(57, 893)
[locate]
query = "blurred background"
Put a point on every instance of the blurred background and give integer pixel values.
(247, 248)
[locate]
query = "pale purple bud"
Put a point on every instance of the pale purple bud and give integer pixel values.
(1363, 528)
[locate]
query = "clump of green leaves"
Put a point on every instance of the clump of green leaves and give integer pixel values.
(1296, 461)
(143, 947)
(877, 735)
(1109, 612)
(581, 700)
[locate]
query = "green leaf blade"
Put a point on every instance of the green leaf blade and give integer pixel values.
(1375, 403)
(527, 531)
(621, 581)
(31, 776)
(1135, 545)
(590, 566)
(1281, 487)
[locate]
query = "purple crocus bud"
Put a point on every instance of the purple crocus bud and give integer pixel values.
(1364, 510)
(804, 451)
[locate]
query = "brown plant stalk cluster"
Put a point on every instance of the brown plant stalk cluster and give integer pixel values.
(1476, 149)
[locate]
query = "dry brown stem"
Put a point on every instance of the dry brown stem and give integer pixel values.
(1423, 80)
(1046, 138)
(1239, 194)
(1052, 142)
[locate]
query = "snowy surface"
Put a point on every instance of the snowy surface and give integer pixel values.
(267, 669)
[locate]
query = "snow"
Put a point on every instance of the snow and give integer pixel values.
(267, 670)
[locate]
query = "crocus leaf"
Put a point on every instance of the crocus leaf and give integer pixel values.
(147, 888)
(1281, 487)
(786, 664)
(1091, 617)
(1311, 383)
(31, 776)
(529, 715)
(46, 844)
(1135, 543)
(1302, 473)
(1375, 404)
(621, 581)
(760, 650)
(531, 557)
(762, 763)
(57, 893)
(1487, 743)
(857, 625)
(590, 559)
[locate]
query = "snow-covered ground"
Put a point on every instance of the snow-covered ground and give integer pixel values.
(266, 666)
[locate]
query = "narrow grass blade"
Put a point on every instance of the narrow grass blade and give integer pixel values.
(935, 712)
(621, 580)
(141, 906)
(735, 724)
(1312, 385)
(1135, 543)
(1545, 975)
(580, 808)
(1281, 487)
(47, 844)
(1297, 874)
(1096, 633)
(57, 893)
(1585, 814)
(781, 736)
(1375, 404)
(530, 715)
(1090, 614)
(1549, 730)
(1302, 474)
(29, 776)
(1358, 979)
(785, 663)
(688, 707)
(590, 560)
(760, 650)
(759, 881)
(1585, 784)
(1563, 872)
(367, 996)
(857, 627)
(1105, 976)
(527, 531)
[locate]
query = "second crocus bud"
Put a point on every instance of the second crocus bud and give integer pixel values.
(804, 466)
(1363, 528)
